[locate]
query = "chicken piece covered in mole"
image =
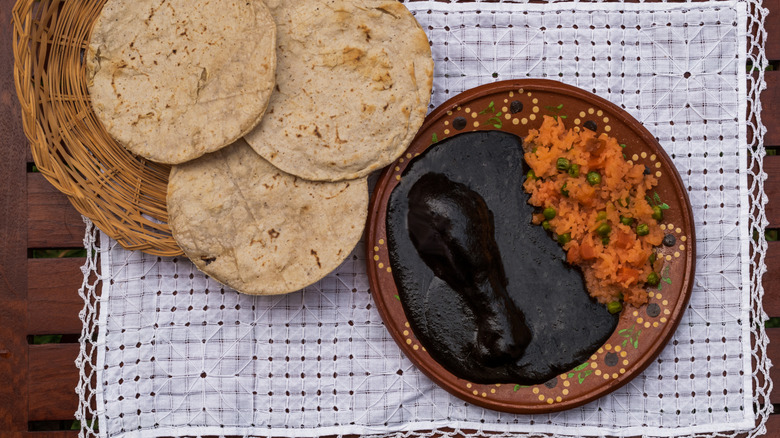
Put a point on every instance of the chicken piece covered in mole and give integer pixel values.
(443, 276)
(452, 229)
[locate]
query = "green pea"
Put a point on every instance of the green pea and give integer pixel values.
(626, 220)
(652, 279)
(564, 238)
(530, 175)
(614, 307)
(549, 213)
(563, 164)
(642, 230)
(602, 215)
(603, 230)
(658, 213)
(546, 226)
(564, 192)
(574, 170)
(594, 178)
(653, 258)
(605, 241)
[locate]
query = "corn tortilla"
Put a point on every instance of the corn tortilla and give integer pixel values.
(258, 229)
(171, 80)
(353, 86)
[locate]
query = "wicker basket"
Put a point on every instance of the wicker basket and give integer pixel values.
(122, 194)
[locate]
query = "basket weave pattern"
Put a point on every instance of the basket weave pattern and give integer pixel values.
(124, 195)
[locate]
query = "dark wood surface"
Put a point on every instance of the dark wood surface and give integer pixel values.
(13, 244)
(40, 296)
(772, 22)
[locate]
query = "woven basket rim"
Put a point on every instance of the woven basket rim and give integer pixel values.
(123, 195)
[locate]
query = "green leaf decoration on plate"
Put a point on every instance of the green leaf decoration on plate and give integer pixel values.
(495, 119)
(656, 201)
(491, 108)
(581, 371)
(555, 111)
(665, 277)
(631, 336)
(581, 376)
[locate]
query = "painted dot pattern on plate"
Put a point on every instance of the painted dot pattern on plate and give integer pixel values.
(517, 111)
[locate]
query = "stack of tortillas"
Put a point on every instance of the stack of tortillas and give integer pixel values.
(273, 113)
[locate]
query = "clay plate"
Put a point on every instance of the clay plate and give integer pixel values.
(641, 333)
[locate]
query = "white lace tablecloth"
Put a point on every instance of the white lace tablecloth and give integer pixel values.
(175, 353)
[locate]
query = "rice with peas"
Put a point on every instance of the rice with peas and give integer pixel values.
(594, 202)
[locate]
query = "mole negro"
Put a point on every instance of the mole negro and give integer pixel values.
(453, 231)
(487, 293)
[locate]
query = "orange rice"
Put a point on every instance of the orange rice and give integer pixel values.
(616, 264)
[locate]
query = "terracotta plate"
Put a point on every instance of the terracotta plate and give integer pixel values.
(517, 106)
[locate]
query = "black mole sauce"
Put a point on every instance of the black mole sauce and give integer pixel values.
(453, 231)
(487, 293)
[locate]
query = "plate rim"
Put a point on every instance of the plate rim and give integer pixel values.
(645, 358)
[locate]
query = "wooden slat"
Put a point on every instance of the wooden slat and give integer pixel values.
(771, 282)
(53, 434)
(13, 240)
(773, 424)
(770, 107)
(772, 24)
(52, 381)
(772, 189)
(52, 220)
(773, 353)
(53, 299)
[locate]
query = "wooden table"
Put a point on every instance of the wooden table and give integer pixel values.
(38, 296)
